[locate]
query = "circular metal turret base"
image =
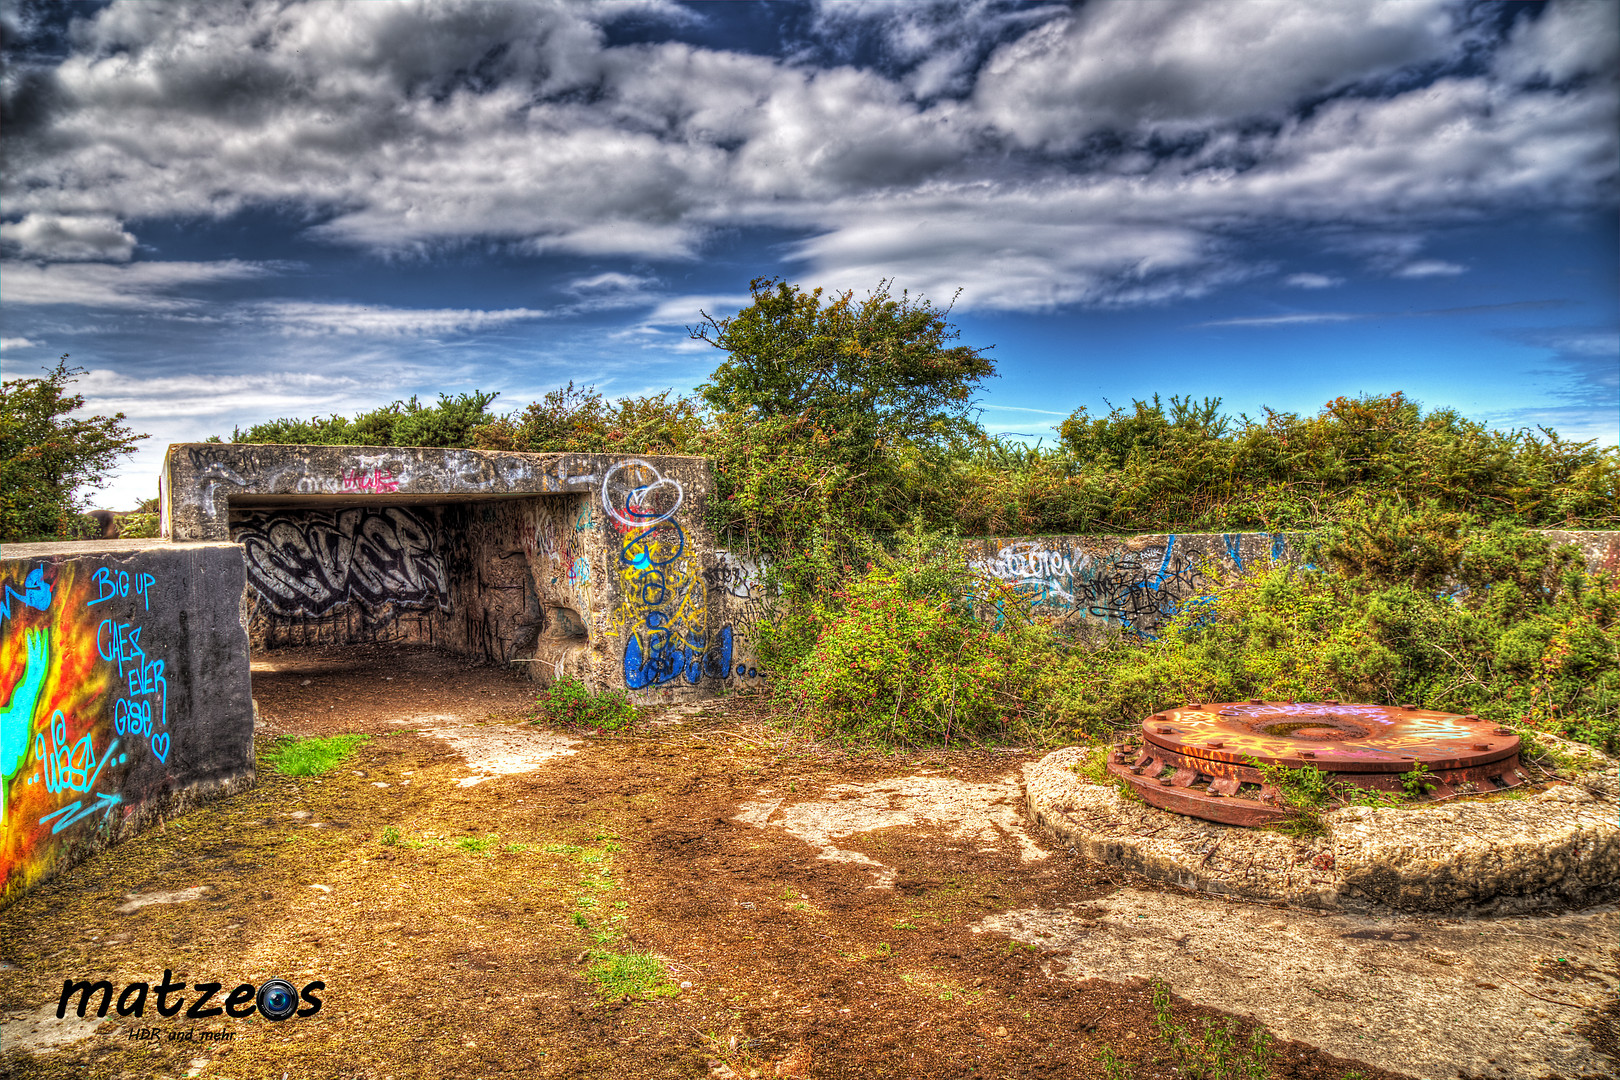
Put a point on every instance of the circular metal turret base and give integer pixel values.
(1201, 759)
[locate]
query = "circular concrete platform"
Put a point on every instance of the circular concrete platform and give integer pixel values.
(1557, 848)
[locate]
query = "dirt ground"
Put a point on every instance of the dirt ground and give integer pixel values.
(818, 914)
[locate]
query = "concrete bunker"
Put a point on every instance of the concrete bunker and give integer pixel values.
(593, 566)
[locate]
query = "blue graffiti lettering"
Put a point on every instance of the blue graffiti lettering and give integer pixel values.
(1233, 543)
(36, 592)
(143, 589)
(109, 586)
(664, 612)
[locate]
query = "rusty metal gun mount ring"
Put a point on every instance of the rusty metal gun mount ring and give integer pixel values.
(1200, 759)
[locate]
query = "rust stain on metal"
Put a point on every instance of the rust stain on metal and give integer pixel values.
(1206, 754)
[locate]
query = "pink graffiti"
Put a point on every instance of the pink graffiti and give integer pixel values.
(377, 480)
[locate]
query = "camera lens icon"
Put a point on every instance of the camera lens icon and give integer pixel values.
(278, 999)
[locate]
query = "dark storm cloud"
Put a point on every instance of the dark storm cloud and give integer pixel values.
(1037, 155)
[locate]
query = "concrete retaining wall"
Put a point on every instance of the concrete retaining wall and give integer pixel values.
(1137, 583)
(598, 566)
(124, 673)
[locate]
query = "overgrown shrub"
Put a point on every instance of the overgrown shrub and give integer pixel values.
(1518, 633)
(570, 702)
(898, 656)
(582, 421)
(451, 422)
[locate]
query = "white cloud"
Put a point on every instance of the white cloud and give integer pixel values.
(213, 395)
(1302, 319)
(1125, 65)
(687, 310)
(610, 289)
(1576, 422)
(404, 128)
(1571, 38)
(68, 238)
(1312, 281)
(1431, 268)
(610, 282)
(1012, 250)
(147, 285)
(7, 343)
(305, 317)
(1020, 408)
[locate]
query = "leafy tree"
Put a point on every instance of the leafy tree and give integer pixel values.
(824, 410)
(878, 372)
(46, 454)
(453, 422)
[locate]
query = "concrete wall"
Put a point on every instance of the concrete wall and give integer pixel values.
(598, 566)
(1137, 583)
(124, 673)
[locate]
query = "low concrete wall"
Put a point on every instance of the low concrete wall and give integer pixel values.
(593, 565)
(124, 672)
(1136, 583)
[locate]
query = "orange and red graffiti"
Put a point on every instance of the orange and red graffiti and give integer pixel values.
(84, 707)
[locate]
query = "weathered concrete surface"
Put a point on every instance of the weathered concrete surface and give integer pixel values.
(124, 672)
(1429, 996)
(1558, 848)
(203, 482)
(1434, 998)
(1136, 583)
(1600, 547)
(595, 566)
(985, 813)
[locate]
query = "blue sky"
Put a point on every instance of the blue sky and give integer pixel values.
(228, 212)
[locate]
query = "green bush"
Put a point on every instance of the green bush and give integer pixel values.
(1517, 633)
(570, 702)
(452, 421)
(901, 655)
(893, 667)
(581, 421)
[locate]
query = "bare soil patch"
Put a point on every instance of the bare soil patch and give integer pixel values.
(464, 949)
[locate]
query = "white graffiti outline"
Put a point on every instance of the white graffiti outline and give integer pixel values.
(636, 497)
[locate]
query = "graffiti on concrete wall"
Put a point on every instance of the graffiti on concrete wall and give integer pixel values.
(553, 535)
(370, 481)
(1137, 588)
(85, 701)
(309, 562)
(739, 582)
(663, 613)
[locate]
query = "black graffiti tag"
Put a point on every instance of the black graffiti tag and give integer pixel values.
(308, 562)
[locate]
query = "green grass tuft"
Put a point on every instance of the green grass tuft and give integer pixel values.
(629, 974)
(313, 756)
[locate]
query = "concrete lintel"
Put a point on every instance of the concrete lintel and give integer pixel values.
(203, 480)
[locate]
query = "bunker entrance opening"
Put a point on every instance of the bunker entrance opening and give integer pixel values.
(499, 580)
